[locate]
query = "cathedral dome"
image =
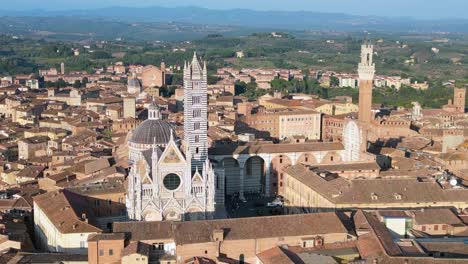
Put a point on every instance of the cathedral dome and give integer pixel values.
(134, 83)
(153, 131)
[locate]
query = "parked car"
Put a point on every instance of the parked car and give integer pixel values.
(275, 203)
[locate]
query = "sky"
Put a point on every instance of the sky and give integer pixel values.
(422, 9)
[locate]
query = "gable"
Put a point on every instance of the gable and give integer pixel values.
(172, 155)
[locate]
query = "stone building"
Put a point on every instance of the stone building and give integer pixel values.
(61, 222)
(309, 191)
(281, 124)
(229, 240)
(152, 76)
(32, 147)
(170, 181)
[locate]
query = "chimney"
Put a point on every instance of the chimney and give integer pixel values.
(83, 217)
(218, 235)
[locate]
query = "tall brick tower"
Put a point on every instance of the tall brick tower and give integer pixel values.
(459, 95)
(366, 70)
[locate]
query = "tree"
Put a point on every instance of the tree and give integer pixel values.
(100, 54)
(252, 92)
(240, 87)
(334, 81)
(213, 79)
(77, 84)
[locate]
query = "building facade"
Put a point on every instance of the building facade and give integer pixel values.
(167, 181)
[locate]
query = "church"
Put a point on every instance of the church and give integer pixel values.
(170, 179)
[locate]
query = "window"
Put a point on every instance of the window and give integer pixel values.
(197, 138)
(111, 252)
(436, 227)
(444, 227)
(197, 113)
(101, 252)
(197, 150)
(248, 168)
(423, 228)
(171, 181)
(196, 100)
(196, 125)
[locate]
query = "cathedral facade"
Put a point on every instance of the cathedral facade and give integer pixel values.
(169, 180)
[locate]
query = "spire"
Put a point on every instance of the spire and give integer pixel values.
(195, 67)
(205, 71)
(172, 135)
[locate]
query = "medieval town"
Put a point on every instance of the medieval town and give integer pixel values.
(119, 171)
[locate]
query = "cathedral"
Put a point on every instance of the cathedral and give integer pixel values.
(170, 179)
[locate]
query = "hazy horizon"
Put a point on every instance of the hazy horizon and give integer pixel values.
(419, 9)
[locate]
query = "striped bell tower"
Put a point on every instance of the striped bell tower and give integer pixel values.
(196, 112)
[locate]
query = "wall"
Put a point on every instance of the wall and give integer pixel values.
(48, 237)
(106, 247)
(134, 259)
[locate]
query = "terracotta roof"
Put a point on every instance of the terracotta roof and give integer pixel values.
(201, 260)
(20, 203)
(383, 235)
(350, 167)
(136, 247)
(31, 171)
(459, 248)
(145, 230)
(368, 246)
(375, 191)
(275, 148)
(64, 209)
(108, 187)
(91, 166)
(436, 216)
(273, 226)
(274, 255)
(107, 236)
(235, 229)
